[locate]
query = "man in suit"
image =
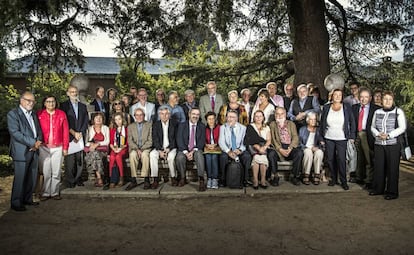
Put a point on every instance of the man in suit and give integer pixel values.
(363, 113)
(211, 102)
(190, 102)
(231, 142)
(139, 144)
(100, 105)
(78, 119)
(190, 144)
(164, 144)
(25, 140)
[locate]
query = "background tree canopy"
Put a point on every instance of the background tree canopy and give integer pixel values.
(276, 39)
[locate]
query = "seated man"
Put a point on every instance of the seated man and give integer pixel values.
(163, 141)
(140, 143)
(190, 144)
(286, 142)
(231, 140)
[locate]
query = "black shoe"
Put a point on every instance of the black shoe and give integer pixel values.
(390, 197)
(353, 180)
(18, 208)
(131, 185)
(331, 183)
(368, 186)
(274, 182)
(71, 185)
(106, 186)
(245, 184)
(373, 193)
(32, 203)
(345, 186)
(295, 181)
(80, 183)
(256, 187)
(263, 186)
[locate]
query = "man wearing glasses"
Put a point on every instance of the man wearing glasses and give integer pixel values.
(25, 141)
(147, 107)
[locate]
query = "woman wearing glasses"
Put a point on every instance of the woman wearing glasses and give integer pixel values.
(55, 144)
(118, 107)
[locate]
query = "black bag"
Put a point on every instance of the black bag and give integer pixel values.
(234, 175)
(402, 140)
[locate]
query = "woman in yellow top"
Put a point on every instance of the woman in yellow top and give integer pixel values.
(234, 105)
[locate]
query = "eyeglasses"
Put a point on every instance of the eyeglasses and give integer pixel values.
(117, 103)
(50, 101)
(139, 114)
(30, 101)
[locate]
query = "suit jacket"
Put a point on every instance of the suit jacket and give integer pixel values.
(274, 132)
(205, 105)
(146, 136)
(158, 135)
(349, 124)
(372, 108)
(81, 123)
(186, 109)
(106, 107)
(21, 135)
(184, 134)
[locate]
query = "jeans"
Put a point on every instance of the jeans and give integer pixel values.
(212, 165)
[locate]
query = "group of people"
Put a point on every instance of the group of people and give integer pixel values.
(212, 133)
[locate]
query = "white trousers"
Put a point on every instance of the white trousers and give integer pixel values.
(315, 158)
(50, 163)
(154, 157)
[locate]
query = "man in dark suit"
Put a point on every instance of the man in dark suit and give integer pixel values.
(190, 143)
(25, 140)
(189, 103)
(363, 113)
(78, 124)
(100, 105)
(164, 145)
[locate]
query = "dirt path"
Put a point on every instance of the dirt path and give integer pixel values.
(329, 223)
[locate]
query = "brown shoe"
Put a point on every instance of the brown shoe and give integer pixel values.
(131, 185)
(121, 182)
(174, 182)
(147, 185)
(57, 197)
(202, 186)
(112, 185)
(154, 185)
(181, 183)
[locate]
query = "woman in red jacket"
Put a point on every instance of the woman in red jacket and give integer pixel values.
(119, 146)
(55, 129)
(212, 150)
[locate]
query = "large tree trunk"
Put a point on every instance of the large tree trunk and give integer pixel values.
(310, 42)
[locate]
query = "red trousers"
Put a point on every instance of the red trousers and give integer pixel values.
(118, 159)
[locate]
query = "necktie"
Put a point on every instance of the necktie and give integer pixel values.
(31, 123)
(360, 118)
(233, 139)
(213, 104)
(192, 135)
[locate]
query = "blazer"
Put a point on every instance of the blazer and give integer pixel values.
(91, 133)
(146, 136)
(182, 138)
(186, 109)
(372, 108)
(106, 107)
(225, 137)
(304, 135)
(81, 123)
(274, 132)
(21, 134)
(349, 125)
(158, 135)
(59, 125)
(205, 105)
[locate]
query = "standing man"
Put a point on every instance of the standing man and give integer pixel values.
(245, 101)
(190, 103)
(275, 99)
(354, 97)
(163, 142)
(289, 96)
(211, 102)
(139, 144)
(302, 106)
(78, 119)
(231, 142)
(25, 140)
(363, 113)
(285, 140)
(190, 144)
(100, 105)
(147, 107)
(111, 94)
(176, 111)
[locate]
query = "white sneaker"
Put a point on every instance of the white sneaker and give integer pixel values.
(214, 184)
(209, 183)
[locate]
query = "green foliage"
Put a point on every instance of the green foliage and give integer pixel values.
(9, 98)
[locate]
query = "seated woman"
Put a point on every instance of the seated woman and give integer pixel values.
(311, 143)
(96, 147)
(118, 106)
(263, 104)
(119, 146)
(212, 151)
(258, 140)
(234, 105)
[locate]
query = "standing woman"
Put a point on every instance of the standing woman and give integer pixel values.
(55, 144)
(234, 105)
(119, 107)
(119, 146)
(337, 127)
(263, 104)
(212, 151)
(258, 139)
(96, 147)
(387, 124)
